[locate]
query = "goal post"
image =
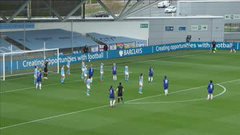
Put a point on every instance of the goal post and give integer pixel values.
(23, 62)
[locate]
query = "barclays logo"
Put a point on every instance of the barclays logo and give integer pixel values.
(120, 53)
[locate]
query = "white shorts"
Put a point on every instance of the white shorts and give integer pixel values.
(101, 72)
(35, 76)
(126, 73)
(88, 87)
(140, 84)
(63, 75)
(85, 75)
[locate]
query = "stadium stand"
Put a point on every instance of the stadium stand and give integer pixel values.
(6, 47)
(112, 40)
(53, 38)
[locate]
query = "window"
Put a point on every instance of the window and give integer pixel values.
(232, 27)
(169, 28)
(182, 28)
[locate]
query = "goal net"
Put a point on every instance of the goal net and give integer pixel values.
(23, 62)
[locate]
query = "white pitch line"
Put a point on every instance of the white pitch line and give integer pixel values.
(180, 101)
(84, 110)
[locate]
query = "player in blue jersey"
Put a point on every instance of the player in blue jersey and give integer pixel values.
(210, 90)
(62, 74)
(150, 74)
(233, 50)
(101, 71)
(88, 85)
(91, 72)
(114, 72)
(165, 85)
(126, 73)
(35, 74)
(140, 84)
(68, 67)
(112, 96)
(39, 80)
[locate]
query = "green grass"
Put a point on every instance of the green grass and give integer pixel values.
(66, 110)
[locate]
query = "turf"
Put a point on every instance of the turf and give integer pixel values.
(64, 109)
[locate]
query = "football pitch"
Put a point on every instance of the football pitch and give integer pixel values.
(64, 109)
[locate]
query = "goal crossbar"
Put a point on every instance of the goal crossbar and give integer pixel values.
(11, 54)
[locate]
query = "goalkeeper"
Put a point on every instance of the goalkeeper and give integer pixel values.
(46, 70)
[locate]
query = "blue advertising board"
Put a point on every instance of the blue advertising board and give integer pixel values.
(77, 58)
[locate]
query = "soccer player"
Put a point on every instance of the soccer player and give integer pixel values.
(101, 71)
(35, 74)
(214, 48)
(88, 84)
(62, 74)
(120, 91)
(150, 74)
(68, 67)
(126, 73)
(85, 73)
(39, 80)
(83, 68)
(140, 84)
(91, 72)
(233, 50)
(114, 72)
(210, 90)
(46, 70)
(165, 85)
(112, 96)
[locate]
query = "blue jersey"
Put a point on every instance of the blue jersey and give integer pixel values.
(165, 84)
(90, 72)
(111, 93)
(150, 72)
(210, 88)
(39, 77)
(114, 70)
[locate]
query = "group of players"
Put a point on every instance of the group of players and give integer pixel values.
(88, 73)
